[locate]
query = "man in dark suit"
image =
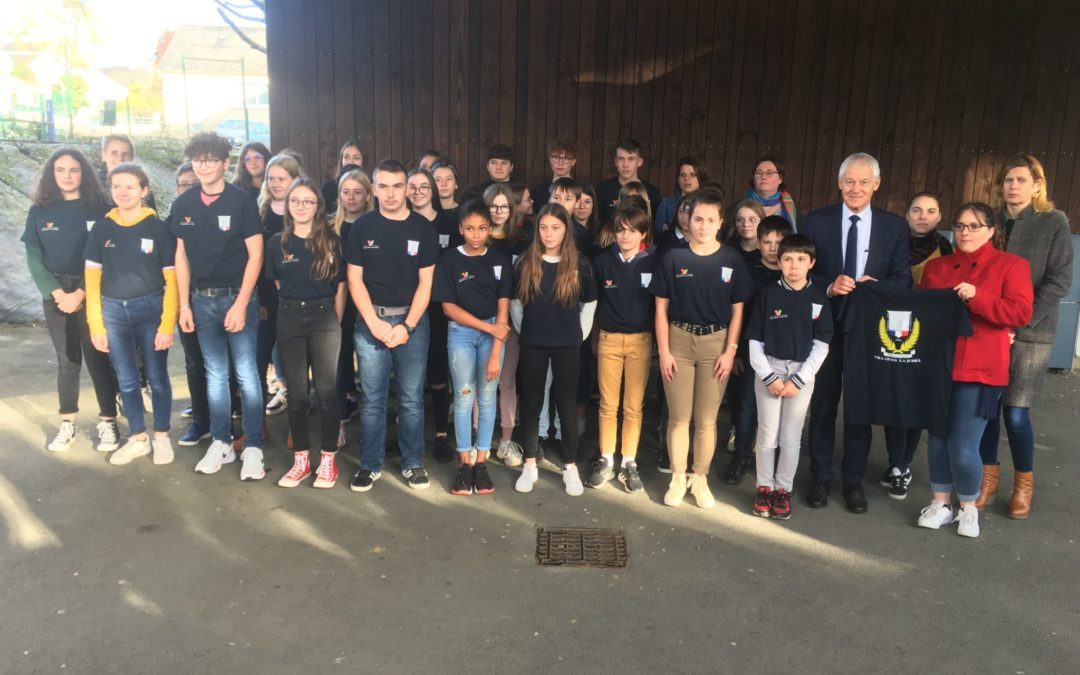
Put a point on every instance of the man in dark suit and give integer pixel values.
(856, 243)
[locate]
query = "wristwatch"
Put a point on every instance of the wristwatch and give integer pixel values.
(408, 329)
(733, 345)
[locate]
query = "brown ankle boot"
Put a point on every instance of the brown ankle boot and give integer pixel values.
(989, 487)
(1020, 504)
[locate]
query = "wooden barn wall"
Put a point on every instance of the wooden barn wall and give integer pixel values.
(941, 91)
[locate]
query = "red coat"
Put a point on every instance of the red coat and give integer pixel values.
(1003, 301)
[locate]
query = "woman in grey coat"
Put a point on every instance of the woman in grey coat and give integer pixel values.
(1038, 232)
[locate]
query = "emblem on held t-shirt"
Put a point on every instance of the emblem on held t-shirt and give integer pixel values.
(899, 334)
(413, 247)
(224, 223)
(147, 246)
(725, 274)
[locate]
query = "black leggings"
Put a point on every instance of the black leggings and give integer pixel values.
(70, 336)
(532, 376)
(309, 335)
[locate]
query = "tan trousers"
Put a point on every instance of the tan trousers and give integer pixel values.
(624, 363)
(694, 392)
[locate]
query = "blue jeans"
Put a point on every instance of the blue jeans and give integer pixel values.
(469, 351)
(409, 363)
(217, 347)
(955, 458)
(1021, 438)
(132, 325)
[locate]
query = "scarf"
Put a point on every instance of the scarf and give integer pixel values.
(784, 199)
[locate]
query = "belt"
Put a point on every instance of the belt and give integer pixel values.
(316, 303)
(390, 311)
(699, 328)
(216, 292)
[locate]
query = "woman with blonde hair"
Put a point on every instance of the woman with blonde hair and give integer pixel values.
(1039, 233)
(354, 199)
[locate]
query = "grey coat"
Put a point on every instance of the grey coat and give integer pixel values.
(1045, 241)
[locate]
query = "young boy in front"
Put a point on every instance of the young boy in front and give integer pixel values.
(789, 331)
(391, 254)
(219, 254)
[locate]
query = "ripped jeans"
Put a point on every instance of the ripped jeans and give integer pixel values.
(469, 351)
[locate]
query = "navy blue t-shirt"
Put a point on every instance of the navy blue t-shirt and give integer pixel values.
(294, 269)
(215, 236)
(546, 323)
(131, 257)
(624, 304)
(474, 283)
(392, 253)
(60, 232)
(702, 288)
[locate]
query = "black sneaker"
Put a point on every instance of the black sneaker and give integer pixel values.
(629, 477)
(364, 480)
(482, 484)
(886, 478)
(736, 470)
(602, 471)
(898, 484)
(663, 462)
(443, 453)
(417, 478)
(463, 484)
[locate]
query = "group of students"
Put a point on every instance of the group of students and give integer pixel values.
(498, 307)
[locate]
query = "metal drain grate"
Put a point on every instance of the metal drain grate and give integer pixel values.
(581, 547)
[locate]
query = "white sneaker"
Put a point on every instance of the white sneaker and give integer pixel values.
(510, 453)
(278, 403)
(935, 515)
(253, 468)
(217, 454)
(572, 480)
(969, 522)
(64, 436)
(133, 449)
(108, 436)
(163, 452)
(529, 475)
(699, 488)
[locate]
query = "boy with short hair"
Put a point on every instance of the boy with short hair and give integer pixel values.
(219, 254)
(391, 254)
(567, 191)
(629, 158)
(790, 328)
(562, 157)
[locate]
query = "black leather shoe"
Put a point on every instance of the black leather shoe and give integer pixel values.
(855, 498)
(736, 470)
(819, 494)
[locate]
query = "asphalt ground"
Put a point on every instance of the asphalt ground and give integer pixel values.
(148, 569)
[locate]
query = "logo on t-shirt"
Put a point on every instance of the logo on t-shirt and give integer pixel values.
(370, 243)
(899, 333)
(465, 276)
(412, 247)
(187, 221)
(498, 272)
(778, 314)
(108, 244)
(147, 246)
(725, 274)
(287, 258)
(444, 240)
(683, 273)
(89, 225)
(815, 311)
(610, 283)
(50, 227)
(646, 279)
(224, 223)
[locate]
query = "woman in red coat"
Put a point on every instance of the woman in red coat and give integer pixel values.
(996, 286)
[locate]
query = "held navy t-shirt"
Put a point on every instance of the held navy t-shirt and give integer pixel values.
(392, 253)
(788, 321)
(294, 269)
(131, 257)
(548, 324)
(215, 236)
(60, 232)
(898, 353)
(702, 288)
(474, 283)
(624, 304)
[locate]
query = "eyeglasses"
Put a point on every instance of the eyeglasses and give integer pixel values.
(970, 227)
(184, 185)
(561, 158)
(421, 189)
(766, 174)
(306, 203)
(499, 208)
(206, 162)
(253, 157)
(684, 208)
